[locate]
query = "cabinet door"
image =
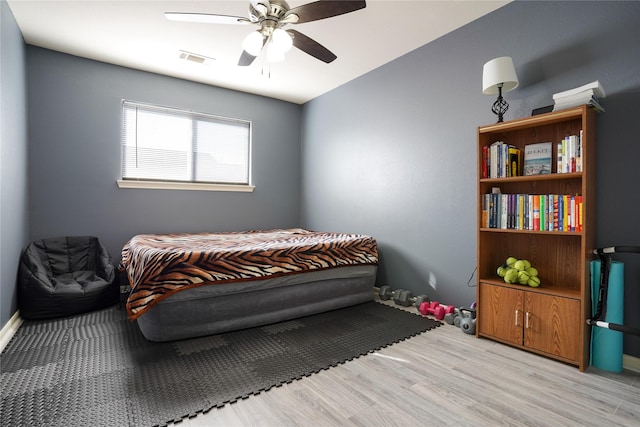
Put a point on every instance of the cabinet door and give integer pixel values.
(551, 325)
(500, 313)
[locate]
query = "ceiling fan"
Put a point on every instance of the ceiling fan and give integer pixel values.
(271, 16)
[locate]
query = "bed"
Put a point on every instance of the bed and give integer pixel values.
(185, 285)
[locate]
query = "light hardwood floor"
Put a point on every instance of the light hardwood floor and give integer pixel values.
(439, 378)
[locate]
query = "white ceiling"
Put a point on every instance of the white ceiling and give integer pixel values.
(136, 34)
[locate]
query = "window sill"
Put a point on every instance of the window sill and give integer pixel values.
(157, 185)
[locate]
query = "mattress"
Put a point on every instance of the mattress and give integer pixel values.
(216, 309)
(160, 266)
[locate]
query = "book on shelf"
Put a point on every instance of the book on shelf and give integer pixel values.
(495, 159)
(536, 212)
(543, 212)
(566, 220)
(514, 161)
(557, 213)
(537, 158)
(520, 212)
(485, 162)
(551, 206)
(579, 211)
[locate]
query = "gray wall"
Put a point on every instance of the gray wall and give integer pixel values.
(74, 155)
(392, 154)
(14, 214)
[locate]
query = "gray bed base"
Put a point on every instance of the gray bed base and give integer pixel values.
(214, 309)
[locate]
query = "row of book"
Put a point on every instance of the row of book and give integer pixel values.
(543, 212)
(569, 154)
(588, 94)
(501, 160)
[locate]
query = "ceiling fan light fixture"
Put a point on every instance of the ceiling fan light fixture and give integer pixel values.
(252, 44)
(281, 40)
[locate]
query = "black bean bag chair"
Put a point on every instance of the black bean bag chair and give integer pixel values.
(64, 276)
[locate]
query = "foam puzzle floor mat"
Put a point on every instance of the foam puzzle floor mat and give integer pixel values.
(96, 369)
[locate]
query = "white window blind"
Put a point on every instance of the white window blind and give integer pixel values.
(166, 144)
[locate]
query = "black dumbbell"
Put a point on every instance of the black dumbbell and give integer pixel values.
(401, 297)
(405, 298)
(385, 293)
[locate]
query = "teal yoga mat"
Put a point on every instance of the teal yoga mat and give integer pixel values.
(606, 344)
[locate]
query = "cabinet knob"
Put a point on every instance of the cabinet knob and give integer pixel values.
(517, 315)
(526, 320)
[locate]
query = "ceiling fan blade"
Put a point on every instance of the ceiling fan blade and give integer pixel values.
(206, 18)
(312, 47)
(246, 59)
(324, 9)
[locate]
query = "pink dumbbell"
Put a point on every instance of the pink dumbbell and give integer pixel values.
(436, 309)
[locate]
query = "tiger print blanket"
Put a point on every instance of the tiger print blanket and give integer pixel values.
(159, 265)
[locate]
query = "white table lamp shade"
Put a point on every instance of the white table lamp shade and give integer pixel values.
(496, 71)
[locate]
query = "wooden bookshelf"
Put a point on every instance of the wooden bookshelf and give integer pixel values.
(549, 320)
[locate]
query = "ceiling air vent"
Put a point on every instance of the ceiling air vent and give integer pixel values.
(194, 57)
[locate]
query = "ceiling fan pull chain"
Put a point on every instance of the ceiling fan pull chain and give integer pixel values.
(266, 65)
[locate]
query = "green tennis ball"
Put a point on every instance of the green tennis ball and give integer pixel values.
(527, 264)
(534, 281)
(502, 270)
(511, 276)
(520, 265)
(523, 277)
(532, 271)
(511, 260)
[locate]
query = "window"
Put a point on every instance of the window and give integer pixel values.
(162, 147)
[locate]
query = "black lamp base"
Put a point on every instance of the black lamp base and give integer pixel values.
(500, 106)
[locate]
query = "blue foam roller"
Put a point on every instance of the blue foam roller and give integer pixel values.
(606, 344)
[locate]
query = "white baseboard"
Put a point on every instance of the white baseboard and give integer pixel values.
(631, 363)
(9, 330)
